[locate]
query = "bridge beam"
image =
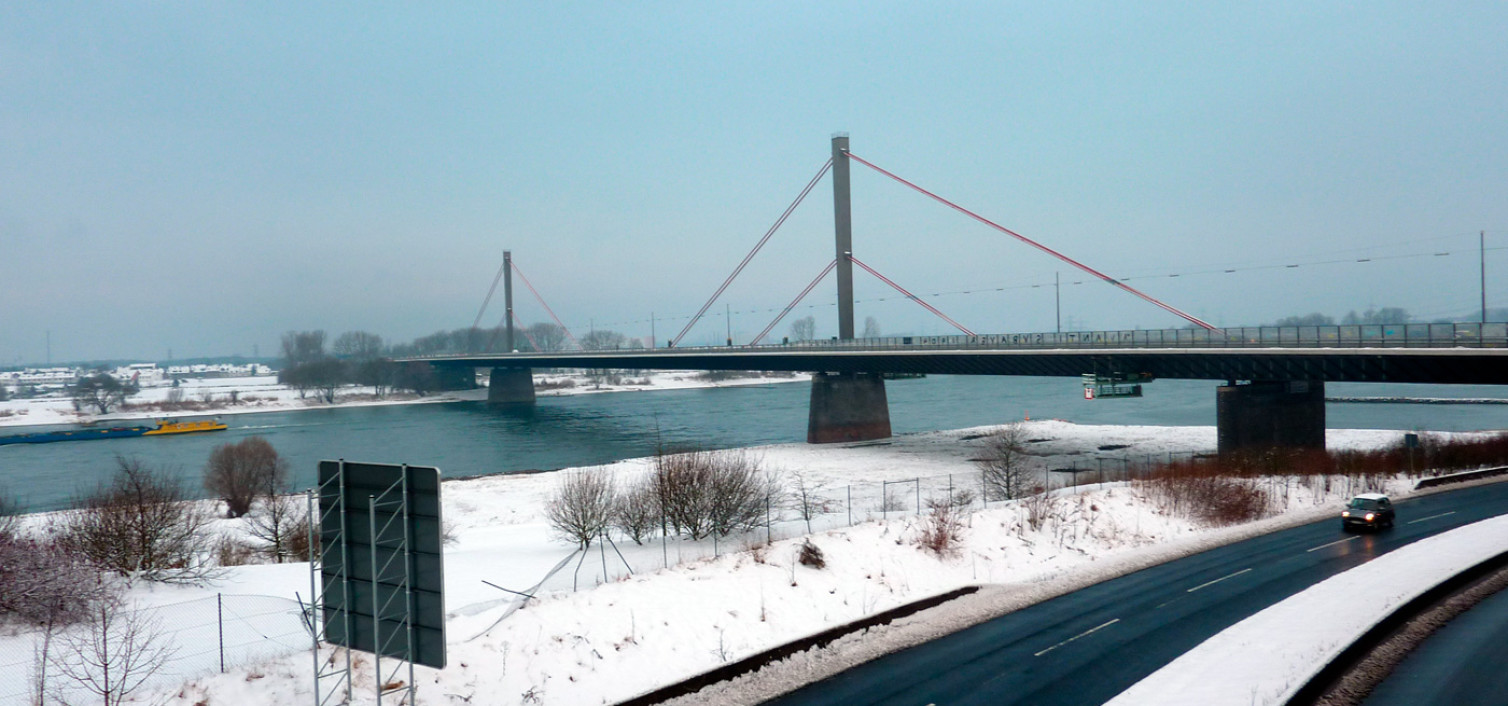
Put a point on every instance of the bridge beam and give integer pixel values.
(847, 407)
(1268, 413)
(511, 386)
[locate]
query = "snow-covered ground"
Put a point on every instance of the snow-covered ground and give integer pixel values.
(245, 395)
(685, 611)
(1267, 657)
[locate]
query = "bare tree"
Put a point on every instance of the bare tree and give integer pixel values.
(806, 496)
(381, 374)
(102, 392)
(582, 505)
(549, 337)
(238, 473)
(303, 347)
(602, 340)
(1004, 463)
(358, 346)
(804, 329)
(871, 328)
(282, 523)
(139, 526)
(112, 654)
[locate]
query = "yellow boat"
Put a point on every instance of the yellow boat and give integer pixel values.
(172, 427)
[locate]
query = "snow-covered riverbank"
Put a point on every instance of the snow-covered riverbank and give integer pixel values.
(609, 642)
(217, 397)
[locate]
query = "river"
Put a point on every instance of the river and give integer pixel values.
(470, 438)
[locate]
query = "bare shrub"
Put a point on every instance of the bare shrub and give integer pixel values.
(1004, 463)
(111, 655)
(942, 528)
(10, 512)
(712, 492)
(240, 472)
(742, 492)
(43, 584)
(1208, 497)
(302, 538)
(811, 555)
(681, 482)
(962, 497)
(892, 502)
(636, 513)
(582, 505)
(139, 525)
(1041, 506)
(231, 551)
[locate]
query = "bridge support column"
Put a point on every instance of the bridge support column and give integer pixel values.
(848, 407)
(455, 377)
(1266, 413)
(511, 386)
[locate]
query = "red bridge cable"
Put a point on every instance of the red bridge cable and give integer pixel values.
(542, 303)
(910, 296)
(778, 222)
(794, 302)
(1096, 273)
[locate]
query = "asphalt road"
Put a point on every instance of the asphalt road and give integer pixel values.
(1463, 664)
(1088, 646)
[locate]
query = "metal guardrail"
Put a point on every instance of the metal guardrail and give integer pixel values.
(1460, 335)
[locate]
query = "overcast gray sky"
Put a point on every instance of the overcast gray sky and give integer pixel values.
(201, 177)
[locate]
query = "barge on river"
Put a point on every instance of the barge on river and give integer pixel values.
(163, 428)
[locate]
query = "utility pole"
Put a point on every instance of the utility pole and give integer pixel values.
(1057, 298)
(843, 225)
(728, 319)
(1482, 251)
(651, 329)
(49, 348)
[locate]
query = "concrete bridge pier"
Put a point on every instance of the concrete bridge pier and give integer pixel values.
(454, 377)
(1267, 413)
(848, 407)
(511, 386)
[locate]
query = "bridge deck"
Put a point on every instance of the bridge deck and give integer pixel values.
(1437, 353)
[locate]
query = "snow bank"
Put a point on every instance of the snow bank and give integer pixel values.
(1241, 667)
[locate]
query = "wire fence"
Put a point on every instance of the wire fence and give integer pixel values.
(201, 637)
(804, 508)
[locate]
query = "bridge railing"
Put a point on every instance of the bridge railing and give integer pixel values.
(1453, 335)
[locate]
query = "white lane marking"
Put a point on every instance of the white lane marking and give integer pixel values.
(1075, 637)
(1222, 578)
(1338, 541)
(1431, 517)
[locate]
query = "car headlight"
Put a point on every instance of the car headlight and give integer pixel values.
(1370, 516)
(1346, 513)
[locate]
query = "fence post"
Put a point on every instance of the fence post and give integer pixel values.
(767, 518)
(220, 628)
(850, 504)
(602, 549)
(918, 495)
